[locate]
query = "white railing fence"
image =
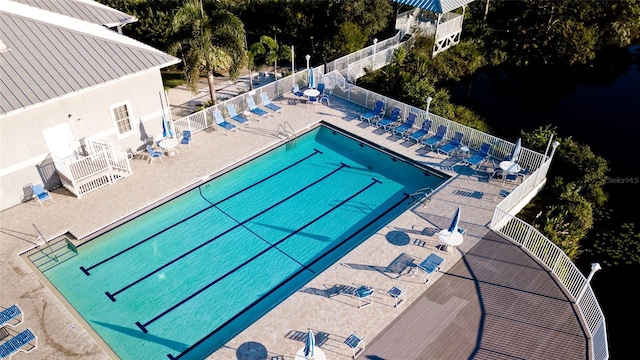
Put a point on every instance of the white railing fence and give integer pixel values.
(563, 268)
(450, 23)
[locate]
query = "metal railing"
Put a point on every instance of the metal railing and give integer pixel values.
(452, 24)
(563, 268)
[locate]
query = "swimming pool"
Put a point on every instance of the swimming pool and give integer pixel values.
(182, 279)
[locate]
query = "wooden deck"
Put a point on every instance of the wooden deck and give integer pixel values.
(496, 303)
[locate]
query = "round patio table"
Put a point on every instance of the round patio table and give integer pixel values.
(169, 145)
(509, 167)
(450, 239)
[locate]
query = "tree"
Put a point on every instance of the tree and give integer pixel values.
(208, 43)
(272, 50)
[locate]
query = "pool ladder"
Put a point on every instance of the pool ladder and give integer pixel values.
(423, 194)
(286, 130)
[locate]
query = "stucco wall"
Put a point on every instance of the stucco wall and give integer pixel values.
(24, 150)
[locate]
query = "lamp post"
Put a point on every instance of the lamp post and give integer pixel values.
(553, 148)
(375, 41)
(293, 61)
(429, 99)
(594, 267)
(308, 57)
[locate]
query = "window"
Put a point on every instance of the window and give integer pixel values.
(121, 117)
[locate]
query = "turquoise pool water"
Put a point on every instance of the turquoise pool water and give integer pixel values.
(182, 279)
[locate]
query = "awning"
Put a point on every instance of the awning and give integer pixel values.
(437, 6)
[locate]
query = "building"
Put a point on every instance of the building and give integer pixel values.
(76, 97)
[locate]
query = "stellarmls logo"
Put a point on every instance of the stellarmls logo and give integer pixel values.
(622, 180)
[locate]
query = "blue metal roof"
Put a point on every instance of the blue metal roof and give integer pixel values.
(437, 6)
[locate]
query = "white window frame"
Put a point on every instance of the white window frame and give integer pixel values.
(115, 120)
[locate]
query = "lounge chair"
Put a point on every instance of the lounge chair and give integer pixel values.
(268, 104)
(356, 344)
(376, 113)
(186, 138)
(229, 127)
(479, 157)
(362, 293)
(254, 109)
(424, 131)
(233, 115)
(434, 140)
(387, 122)
(16, 343)
(402, 129)
(452, 145)
(11, 316)
(153, 154)
(397, 292)
(430, 265)
(41, 194)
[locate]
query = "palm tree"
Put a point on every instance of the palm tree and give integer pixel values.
(272, 50)
(208, 43)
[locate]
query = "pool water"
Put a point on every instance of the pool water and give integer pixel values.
(182, 279)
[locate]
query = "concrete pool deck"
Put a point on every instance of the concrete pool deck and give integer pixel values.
(324, 304)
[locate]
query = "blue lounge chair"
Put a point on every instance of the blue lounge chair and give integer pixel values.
(433, 141)
(376, 113)
(514, 177)
(452, 145)
(480, 157)
(16, 343)
(241, 119)
(424, 131)
(153, 154)
(268, 104)
(403, 129)
(11, 316)
(229, 127)
(41, 194)
(186, 138)
(254, 109)
(353, 342)
(430, 265)
(387, 122)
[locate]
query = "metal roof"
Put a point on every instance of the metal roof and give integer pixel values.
(50, 55)
(437, 6)
(87, 10)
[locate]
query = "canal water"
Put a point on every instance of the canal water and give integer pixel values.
(605, 115)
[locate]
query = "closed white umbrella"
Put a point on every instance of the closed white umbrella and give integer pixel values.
(312, 79)
(453, 228)
(310, 345)
(516, 151)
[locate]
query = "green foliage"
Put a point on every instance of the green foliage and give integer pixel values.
(616, 247)
(350, 38)
(171, 79)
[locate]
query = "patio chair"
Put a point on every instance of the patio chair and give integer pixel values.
(362, 293)
(229, 127)
(434, 140)
(41, 194)
(16, 343)
(479, 157)
(424, 131)
(516, 176)
(387, 122)
(452, 145)
(153, 154)
(312, 100)
(376, 113)
(11, 316)
(397, 292)
(268, 104)
(355, 343)
(402, 129)
(430, 265)
(186, 138)
(296, 91)
(254, 109)
(233, 115)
